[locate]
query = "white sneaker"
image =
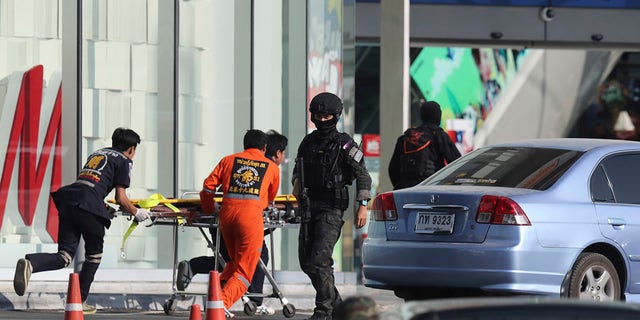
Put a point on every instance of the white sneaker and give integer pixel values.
(228, 313)
(264, 310)
(88, 309)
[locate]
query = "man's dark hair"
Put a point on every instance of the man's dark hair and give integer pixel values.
(357, 308)
(255, 138)
(275, 142)
(123, 138)
(430, 113)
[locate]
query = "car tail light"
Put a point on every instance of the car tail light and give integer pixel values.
(501, 210)
(384, 208)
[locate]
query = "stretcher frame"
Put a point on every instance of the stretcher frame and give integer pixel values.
(283, 207)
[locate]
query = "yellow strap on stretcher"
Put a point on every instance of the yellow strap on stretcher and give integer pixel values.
(132, 227)
(148, 203)
(289, 198)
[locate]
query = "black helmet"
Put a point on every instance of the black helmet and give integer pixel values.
(326, 103)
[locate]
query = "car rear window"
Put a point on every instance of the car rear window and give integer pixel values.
(515, 167)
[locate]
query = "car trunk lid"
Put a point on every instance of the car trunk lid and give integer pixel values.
(441, 214)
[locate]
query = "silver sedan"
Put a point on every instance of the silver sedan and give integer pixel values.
(556, 217)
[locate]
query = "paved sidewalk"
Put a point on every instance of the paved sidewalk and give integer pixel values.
(149, 290)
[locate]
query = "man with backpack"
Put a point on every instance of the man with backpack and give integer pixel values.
(421, 151)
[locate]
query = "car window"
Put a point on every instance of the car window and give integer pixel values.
(624, 173)
(521, 167)
(599, 185)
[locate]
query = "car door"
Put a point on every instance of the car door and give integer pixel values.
(615, 191)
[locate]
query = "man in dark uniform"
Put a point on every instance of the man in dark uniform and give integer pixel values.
(331, 161)
(82, 211)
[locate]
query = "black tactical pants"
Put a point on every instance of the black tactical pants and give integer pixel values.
(316, 241)
(72, 223)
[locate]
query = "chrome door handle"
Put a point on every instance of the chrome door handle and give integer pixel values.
(616, 222)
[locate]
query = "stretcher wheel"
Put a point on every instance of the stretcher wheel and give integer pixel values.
(250, 308)
(289, 310)
(169, 306)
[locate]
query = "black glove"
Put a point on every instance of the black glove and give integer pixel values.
(112, 211)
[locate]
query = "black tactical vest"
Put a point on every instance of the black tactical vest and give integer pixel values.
(324, 167)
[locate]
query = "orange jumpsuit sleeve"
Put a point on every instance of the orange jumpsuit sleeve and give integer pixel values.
(209, 186)
(212, 181)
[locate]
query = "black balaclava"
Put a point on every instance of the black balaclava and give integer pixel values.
(430, 113)
(326, 103)
(326, 126)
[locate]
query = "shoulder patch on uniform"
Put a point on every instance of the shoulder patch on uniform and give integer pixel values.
(355, 153)
(353, 150)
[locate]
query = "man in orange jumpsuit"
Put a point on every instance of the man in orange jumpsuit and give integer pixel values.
(249, 182)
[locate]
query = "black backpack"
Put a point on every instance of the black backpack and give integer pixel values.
(417, 156)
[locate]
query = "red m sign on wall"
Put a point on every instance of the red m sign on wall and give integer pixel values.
(20, 139)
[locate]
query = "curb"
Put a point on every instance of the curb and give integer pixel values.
(301, 296)
(152, 295)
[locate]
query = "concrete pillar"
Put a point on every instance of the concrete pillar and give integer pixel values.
(72, 100)
(394, 80)
(242, 27)
(167, 97)
(71, 88)
(167, 112)
(294, 109)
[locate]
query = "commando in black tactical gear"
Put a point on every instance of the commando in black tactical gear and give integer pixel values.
(331, 160)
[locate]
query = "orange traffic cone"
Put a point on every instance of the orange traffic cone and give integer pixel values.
(73, 308)
(215, 306)
(195, 312)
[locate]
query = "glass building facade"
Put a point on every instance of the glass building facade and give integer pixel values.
(190, 76)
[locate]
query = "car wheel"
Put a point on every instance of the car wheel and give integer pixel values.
(593, 278)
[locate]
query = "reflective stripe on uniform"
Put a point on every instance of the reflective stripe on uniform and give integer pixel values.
(245, 281)
(94, 258)
(208, 190)
(86, 183)
(242, 196)
(66, 257)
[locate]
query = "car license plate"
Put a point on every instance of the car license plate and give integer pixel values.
(434, 222)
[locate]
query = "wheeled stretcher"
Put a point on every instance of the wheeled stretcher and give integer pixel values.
(185, 212)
